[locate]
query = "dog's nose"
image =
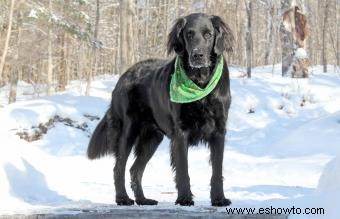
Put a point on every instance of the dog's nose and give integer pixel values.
(197, 54)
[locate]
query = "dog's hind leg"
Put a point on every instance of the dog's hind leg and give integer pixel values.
(146, 146)
(124, 148)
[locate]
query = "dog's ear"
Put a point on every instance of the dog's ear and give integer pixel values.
(175, 38)
(224, 40)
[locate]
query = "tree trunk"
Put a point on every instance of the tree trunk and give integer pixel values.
(68, 61)
(115, 42)
(4, 54)
(126, 41)
(324, 30)
(95, 46)
(148, 27)
(62, 70)
(249, 43)
(337, 35)
(14, 76)
(62, 78)
(50, 58)
(123, 43)
(131, 32)
(13, 86)
(270, 32)
(294, 32)
(287, 38)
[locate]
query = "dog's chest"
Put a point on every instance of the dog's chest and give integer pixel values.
(201, 119)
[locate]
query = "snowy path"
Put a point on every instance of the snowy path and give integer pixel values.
(109, 213)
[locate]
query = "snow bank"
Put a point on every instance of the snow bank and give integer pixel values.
(330, 178)
(327, 194)
(329, 188)
(312, 137)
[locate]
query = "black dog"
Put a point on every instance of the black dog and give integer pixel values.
(141, 112)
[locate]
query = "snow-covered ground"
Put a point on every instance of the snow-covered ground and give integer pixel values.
(283, 134)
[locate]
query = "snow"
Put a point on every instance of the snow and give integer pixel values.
(301, 53)
(329, 187)
(330, 176)
(33, 14)
(283, 138)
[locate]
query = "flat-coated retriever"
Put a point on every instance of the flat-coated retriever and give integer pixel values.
(142, 112)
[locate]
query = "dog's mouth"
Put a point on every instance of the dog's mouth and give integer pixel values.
(199, 63)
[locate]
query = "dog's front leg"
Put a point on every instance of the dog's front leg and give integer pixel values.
(179, 162)
(216, 144)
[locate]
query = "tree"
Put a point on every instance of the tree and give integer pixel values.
(287, 39)
(294, 31)
(4, 54)
(95, 45)
(50, 58)
(126, 41)
(62, 75)
(324, 31)
(17, 66)
(337, 21)
(270, 6)
(249, 38)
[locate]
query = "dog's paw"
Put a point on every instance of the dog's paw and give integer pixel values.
(186, 201)
(124, 201)
(146, 201)
(220, 202)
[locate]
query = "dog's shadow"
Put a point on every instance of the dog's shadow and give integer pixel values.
(30, 186)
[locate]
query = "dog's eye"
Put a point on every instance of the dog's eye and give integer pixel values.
(207, 35)
(190, 34)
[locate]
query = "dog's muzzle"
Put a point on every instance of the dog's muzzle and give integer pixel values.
(198, 59)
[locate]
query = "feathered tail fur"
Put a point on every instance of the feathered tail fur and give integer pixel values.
(104, 138)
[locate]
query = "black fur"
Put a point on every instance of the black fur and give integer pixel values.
(141, 112)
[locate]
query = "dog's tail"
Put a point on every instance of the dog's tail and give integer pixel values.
(104, 138)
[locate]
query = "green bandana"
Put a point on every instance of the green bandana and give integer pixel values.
(184, 90)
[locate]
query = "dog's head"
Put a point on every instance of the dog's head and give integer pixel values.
(199, 37)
